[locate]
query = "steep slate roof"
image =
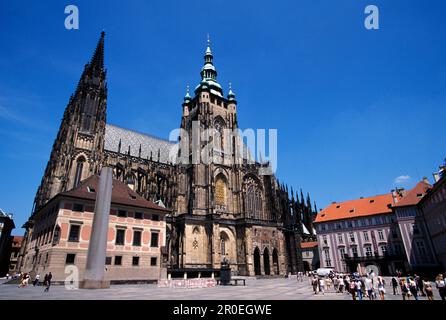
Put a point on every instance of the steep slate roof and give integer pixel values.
(413, 196)
(149, 144)
(121, 194)
(380, 204)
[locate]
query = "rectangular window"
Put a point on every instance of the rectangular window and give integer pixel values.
(342, 253)
(355, 252)
(155, 217)
(120, 237)
(381, 235)
(122, 213)
(415, 229)
(366, 236)
(421, 248)
(383, 250)
(118, 260)
(139, 215)
(368, 251)
(340, 238)
(327, 258)
(394, 234)
(154, 240)
(153, 261)
(352, 237)
(108, 260)
(74, 233)
(78, 207)
(70, 258)
(136, 238)
(324, 239)
(135, 261)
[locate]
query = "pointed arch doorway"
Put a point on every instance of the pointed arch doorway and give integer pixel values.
(257, 270)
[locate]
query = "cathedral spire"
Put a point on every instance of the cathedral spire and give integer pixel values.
(209, 73)
(97, 61)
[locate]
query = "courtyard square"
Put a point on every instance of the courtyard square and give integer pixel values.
(255, 289)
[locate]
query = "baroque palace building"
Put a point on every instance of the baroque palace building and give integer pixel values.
(217, 210)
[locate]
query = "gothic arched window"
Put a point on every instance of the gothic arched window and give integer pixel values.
(253, 199)
(223, 240)
(220, 191)
(79, 167)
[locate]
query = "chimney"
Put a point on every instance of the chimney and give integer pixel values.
(436, 176)
(395, 196)
(426, 180)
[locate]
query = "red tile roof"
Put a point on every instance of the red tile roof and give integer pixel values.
(413, 196)
(356, 208)
(310, 244)
(17, 241)
(121, 194)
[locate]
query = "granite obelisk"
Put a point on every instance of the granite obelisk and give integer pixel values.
(94, 277)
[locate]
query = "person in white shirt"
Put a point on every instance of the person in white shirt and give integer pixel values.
(322, 285)
(369, 288)
(358, 284)
(441, 286)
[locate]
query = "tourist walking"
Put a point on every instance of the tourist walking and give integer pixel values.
(314, 283)
(405, 292)
(369, 288)
(48, 278)
(395, 285)
(352, 289)
(419, 283)
(428, 289)
(341, 285)
(358, 284)
(441, 286)
(322, 285)
(24, 280)
(36, 280)
(381, 289)
(413, 288)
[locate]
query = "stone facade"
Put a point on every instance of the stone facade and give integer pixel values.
(222, 208)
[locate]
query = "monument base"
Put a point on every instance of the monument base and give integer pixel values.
(94, 284)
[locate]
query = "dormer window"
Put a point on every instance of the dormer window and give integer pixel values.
(91, 189)
(338, 206)
(133, 197)
(372, 201)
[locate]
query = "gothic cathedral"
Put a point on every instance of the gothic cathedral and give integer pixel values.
(219, 211)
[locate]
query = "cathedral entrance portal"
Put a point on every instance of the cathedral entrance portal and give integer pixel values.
(257, 261)
(266, 261)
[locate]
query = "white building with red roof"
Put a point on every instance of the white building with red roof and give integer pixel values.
(376, 231)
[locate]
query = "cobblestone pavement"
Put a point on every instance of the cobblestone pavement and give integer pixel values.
(260, 289)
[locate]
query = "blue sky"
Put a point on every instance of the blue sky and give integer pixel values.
(354, 108)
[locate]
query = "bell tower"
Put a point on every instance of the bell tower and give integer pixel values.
(78, 148)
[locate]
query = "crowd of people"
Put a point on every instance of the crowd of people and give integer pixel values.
(372, 287)
(25, 277)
